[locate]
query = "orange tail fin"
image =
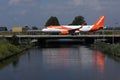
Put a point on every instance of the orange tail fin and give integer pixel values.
(99, 24)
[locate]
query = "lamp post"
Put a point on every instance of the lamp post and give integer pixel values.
(113, 38)
(113, 34)
(19, 38)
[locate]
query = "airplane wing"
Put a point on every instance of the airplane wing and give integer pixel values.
(73, 31)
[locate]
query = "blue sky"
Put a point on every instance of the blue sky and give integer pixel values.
(36, 12)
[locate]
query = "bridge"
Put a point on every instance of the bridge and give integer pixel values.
(86, 38)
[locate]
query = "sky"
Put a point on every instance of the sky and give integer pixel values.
(37, 12)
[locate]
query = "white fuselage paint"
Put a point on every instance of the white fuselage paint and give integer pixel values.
(83, 28)
(86, 28)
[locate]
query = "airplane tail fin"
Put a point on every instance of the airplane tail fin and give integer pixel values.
(99, 24)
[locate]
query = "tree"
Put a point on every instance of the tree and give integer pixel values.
(79, 20)
(52, 21)
(26, 28)
(15, 40)
(34, 28)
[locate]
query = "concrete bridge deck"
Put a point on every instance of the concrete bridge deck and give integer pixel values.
(60, 36)
(87, 38)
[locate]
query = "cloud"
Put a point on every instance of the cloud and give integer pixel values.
(14, 2)
(93, 4)
(21, 2)
(23, 12)
(78, 2)
(21, 7)
(89, 4)
(65, 10)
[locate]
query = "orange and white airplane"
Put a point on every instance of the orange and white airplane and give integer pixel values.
(70, 29)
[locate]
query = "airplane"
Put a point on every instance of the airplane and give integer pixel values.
(71, 29)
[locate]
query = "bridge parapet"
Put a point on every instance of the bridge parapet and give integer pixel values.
(109, 38)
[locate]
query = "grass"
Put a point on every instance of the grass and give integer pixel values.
(110, 49)
(7, 49)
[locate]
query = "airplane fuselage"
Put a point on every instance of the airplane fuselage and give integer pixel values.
(66, 29)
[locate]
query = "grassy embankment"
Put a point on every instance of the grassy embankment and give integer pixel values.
(109, 49)
(7, 49)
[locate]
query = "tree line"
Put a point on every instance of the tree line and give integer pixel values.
(78, 20)
(53, 21)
